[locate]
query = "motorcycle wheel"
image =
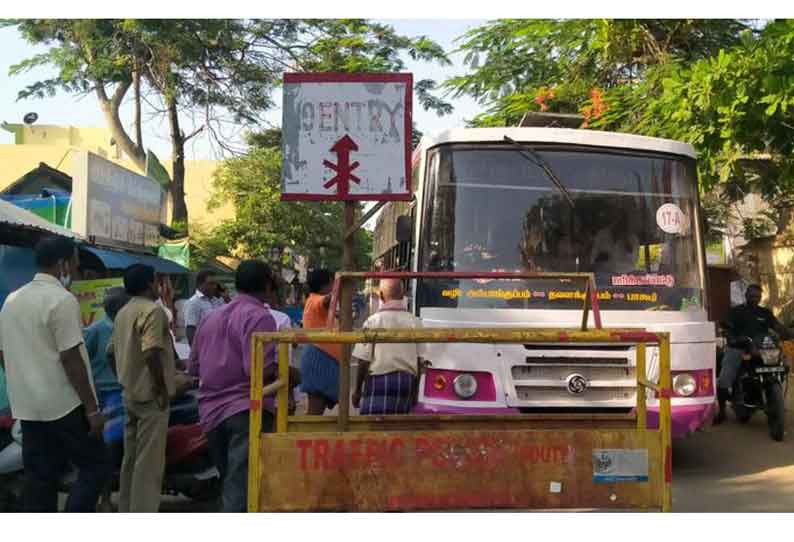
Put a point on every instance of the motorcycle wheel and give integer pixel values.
(774, 410)
(204, 491)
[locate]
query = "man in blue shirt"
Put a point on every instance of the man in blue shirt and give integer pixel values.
(96, 337)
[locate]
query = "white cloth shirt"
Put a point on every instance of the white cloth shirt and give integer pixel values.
(198, 307)
(391, 357)
(170, 316)
(283, 322)
(37, 323)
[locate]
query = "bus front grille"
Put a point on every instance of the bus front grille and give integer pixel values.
(559, 396)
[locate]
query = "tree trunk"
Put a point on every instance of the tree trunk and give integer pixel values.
(110, 108)
(178, 162)
(136, 78)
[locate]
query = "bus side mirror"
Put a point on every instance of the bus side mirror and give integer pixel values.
(404, 230)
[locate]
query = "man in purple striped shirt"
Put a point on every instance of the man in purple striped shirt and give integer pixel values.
(221, 358)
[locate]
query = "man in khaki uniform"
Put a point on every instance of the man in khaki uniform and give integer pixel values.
(144, 359)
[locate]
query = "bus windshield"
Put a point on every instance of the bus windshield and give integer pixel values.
(633, 223)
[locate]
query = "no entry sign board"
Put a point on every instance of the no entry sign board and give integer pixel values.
(347, 136)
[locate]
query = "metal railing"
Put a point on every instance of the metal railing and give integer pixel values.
(281, 387)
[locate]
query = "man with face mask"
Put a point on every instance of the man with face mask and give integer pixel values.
(50, 386)
(747, 321)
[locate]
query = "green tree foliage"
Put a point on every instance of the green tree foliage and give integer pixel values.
(252, 183)
(734, 107)
(520, 65)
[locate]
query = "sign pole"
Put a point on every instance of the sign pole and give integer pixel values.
(346, 315)
(347, 137)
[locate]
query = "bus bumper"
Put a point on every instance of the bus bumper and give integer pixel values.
(686, 418)
(430, 408)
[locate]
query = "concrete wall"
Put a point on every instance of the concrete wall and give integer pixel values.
(774, 270)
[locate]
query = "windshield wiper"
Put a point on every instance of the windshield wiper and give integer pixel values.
(531, 154)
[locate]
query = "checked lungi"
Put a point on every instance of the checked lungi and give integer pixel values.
(390, 393)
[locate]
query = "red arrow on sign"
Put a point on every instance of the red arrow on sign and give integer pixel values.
(343, 167)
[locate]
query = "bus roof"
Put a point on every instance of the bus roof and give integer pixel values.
(590, 138)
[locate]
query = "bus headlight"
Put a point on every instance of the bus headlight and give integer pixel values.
(465, 386)
(684, 385)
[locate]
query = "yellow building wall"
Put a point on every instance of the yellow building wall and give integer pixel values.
(96, 140)
(775, 273)
(56, 146)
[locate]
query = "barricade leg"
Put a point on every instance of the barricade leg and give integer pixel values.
(642, 411)
(665, 422)
(283, 393)
(255, 424)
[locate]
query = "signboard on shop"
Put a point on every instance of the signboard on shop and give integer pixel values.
(114, 205)
(347, 136)
(91, 296)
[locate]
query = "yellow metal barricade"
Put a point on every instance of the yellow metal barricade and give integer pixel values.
(421, 462)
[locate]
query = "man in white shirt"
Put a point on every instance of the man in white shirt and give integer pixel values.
(50, 387)
(388, 372)
(206, 298)
(283, 323)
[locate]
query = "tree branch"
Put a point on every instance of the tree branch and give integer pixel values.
(186, 138)
(284, 48)
(136, 76)
(118, 95)
(110, 108)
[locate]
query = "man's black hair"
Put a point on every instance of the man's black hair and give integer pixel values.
(253, 276)
(137, 278)
(755, 287)
(318, 279)
(202, 277)
(115, 299)
(51, 250)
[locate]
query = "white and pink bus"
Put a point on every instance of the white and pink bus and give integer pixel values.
(623, 207)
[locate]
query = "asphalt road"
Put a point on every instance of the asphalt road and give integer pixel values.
(735, 468)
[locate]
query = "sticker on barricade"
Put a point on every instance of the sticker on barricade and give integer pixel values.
(611, 466)
(415, 470)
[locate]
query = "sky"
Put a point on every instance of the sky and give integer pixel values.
(66, 109)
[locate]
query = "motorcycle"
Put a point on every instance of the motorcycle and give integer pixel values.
(189, 470)
(760, 384)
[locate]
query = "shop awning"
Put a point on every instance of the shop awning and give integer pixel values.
(116, 259)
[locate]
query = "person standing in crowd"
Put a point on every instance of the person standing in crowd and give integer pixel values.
(221, 358)
(319, 362)
(50, 386)
(97, 337)
(283, 323)
(388, 372)
(143, 355)
(206, 299)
